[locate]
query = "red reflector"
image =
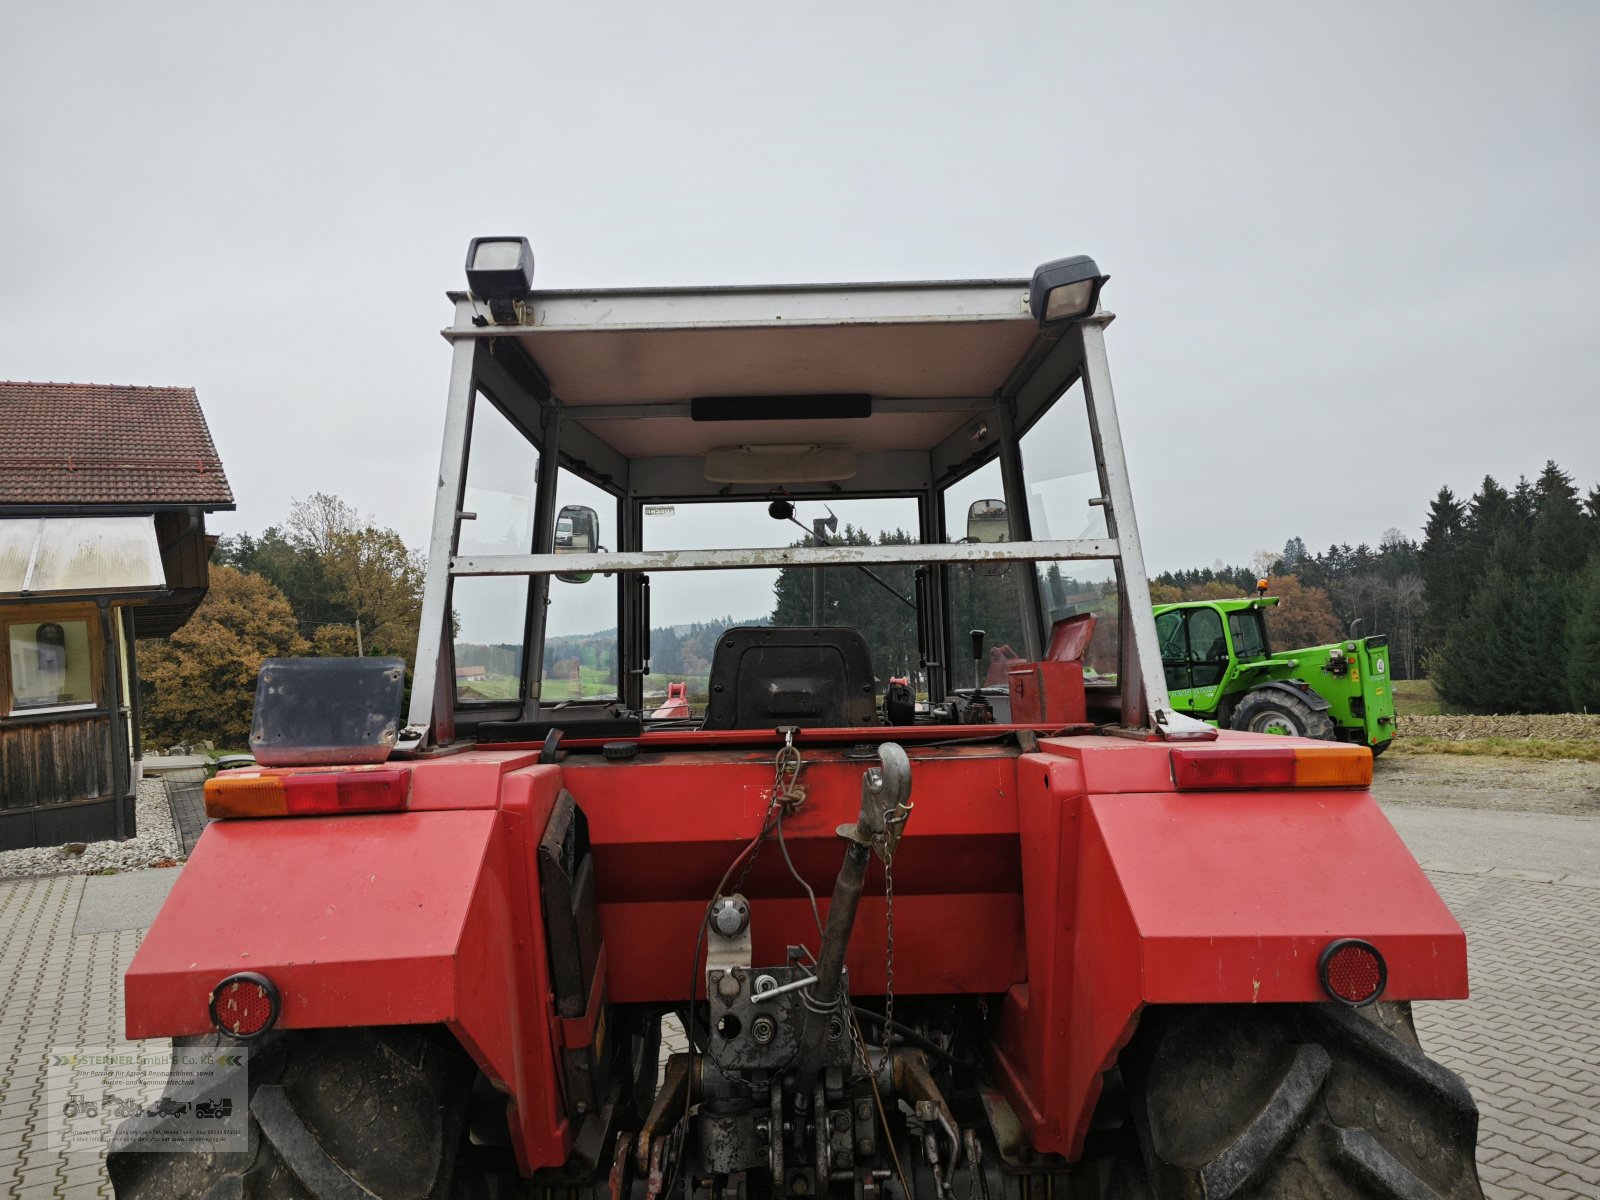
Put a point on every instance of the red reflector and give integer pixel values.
(244, 1005)
(345, 792)
(1352, 971)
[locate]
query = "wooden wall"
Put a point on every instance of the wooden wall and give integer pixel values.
(55, 761)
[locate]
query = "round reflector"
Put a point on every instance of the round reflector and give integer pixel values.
(1353, 972)
(244, 1005)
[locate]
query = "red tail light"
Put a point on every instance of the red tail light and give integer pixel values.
(1219, 767)
(346, 792)
(1352, 971)
(244, 1005)
(320, 793)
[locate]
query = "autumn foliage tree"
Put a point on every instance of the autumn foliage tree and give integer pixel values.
(200, 684)
(1303, 615)
(355, 586)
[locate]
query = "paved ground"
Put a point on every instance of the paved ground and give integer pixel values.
(186, 792)
(63, 987)
(1525, 883)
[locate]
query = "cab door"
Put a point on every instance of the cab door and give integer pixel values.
(1194, 657)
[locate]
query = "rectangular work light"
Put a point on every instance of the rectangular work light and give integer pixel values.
(500, 268)
(1065, 290)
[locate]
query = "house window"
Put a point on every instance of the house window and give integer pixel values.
(50, 666)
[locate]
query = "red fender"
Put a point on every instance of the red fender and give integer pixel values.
(1153, 896)
(420, 917)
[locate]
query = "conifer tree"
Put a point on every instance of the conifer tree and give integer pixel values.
(1489, 657)
(1443, 564)
(1560, 538)
(1583, 641)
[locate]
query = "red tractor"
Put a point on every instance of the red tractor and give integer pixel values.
(931, 938)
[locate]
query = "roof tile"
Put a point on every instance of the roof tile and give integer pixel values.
(90, 443)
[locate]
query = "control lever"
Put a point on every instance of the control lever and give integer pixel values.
(978, 712)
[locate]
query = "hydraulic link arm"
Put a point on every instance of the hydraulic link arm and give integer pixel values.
(885, 806)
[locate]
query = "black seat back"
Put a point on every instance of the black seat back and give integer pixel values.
(766, 676)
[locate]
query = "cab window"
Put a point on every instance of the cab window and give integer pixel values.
(1172, 638)
(1249, 634)
(1194, 653)
(1208, 650)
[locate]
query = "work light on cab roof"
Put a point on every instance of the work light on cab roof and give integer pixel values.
(500, 270)
(1065, 290)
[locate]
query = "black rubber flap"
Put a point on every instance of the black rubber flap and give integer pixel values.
(324, 711)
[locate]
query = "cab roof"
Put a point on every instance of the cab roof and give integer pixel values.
(921, 362)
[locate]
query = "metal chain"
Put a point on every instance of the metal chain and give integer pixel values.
(886, 848)
(786, 789)
(888, 961)
(786, 794)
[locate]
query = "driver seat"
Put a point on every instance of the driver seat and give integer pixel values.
(765, 676)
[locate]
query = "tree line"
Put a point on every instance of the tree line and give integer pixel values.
(328, 582)
(1323, 596)
(1513, 591)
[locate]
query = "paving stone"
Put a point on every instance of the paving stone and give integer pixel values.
(56, 979)
(1527, 1042)
(120, 903)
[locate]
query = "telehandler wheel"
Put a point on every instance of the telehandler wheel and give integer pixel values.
(1295, 1102)
(1275, 711)
(333, 1113)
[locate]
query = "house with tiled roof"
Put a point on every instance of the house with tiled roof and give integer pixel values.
(104, 492)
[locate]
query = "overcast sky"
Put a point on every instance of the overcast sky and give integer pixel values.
(1355, 254)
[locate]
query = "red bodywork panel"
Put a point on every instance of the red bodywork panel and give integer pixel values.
(1074, 881)
(1137, 894)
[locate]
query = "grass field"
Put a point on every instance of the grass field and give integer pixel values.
(1417, 698)
(592, 681)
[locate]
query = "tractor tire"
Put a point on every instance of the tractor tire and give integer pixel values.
(334, 1113)
(1379, 747)
(1273, 710)
(1298, 1102)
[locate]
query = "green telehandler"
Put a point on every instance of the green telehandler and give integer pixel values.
(1221, 668)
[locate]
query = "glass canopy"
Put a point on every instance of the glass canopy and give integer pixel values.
(79, 556)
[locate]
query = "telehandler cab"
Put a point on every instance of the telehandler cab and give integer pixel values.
(1061, 941)
(1220, 667)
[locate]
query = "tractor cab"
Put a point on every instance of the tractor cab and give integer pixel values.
(766, 503)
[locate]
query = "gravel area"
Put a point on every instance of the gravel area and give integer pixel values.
(157, 841)
(1554, 787)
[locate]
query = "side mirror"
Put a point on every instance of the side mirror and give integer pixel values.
(987, 521)
(577, 532)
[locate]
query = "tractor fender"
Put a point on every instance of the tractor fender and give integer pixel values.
(1306, 695)
(406, 918)
(1135, 893)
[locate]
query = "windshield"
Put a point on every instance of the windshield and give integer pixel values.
(689, 610)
